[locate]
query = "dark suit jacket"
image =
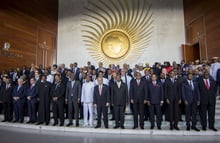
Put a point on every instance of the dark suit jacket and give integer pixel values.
(101, 100)
(33, 92)
(6, 94)
(75, 90)
(138, 93)
(19, 93)
(218, 77)
(58, 91)
(189, 95)
(207, 96)
(76, 72)
(155, 93)
(172, 90)
(119, 95)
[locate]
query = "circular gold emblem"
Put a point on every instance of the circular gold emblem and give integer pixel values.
(115, 44)
(117, 31)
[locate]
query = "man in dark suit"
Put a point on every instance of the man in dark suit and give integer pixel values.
(44, 89)
(155, 100)
(72, 98)
(90, 65)
(138, 96)
(2, 84)
(32, 95)
(6, 98)
(191, 98)
(18, 95)
(218, 80)
(208, 90)
(76, 71)
(147, 78)
(101, 101)
(119, 96)
(58, 93)
(173, 99)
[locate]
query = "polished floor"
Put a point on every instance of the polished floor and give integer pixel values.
(11, 135)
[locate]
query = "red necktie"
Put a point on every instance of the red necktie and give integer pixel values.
(207, 84)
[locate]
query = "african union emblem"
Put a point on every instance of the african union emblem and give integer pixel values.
(116, 31)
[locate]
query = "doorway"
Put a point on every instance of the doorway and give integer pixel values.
(191, 52)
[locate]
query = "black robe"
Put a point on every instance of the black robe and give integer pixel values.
(44, 89)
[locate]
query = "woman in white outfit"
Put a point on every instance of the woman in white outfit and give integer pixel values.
(87, 100)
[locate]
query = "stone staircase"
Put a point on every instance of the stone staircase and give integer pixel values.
(128, 125)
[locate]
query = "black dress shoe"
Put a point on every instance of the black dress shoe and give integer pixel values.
(134, 128)
(176, 128)
(122, 127)
(47, 123)
(214, 129)
(115, 127)
(28, 122)
(15, 121)
(171, 128)
(142, 128)
(152, 127)
(188, 128)
(77, 125)
(70, 124)
(159, 128)
(4, 120)
(98, 126)
(39, 123)
(112, 119)
(203, 128)
(106, 127)
(54, 124)
(196, 129)
(21, 122)
(61, 124)
(9, 120)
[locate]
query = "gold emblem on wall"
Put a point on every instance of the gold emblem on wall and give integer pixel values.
(117, 31)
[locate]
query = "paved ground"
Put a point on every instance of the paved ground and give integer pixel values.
(12, 135)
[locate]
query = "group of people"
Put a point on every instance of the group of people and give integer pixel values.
(161, 92)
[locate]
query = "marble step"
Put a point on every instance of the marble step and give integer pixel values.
(129, 123)
(126, 131)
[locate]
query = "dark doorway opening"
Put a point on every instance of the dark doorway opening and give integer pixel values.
(196, 51)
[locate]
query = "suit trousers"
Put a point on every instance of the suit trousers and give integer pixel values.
(73, 105)
(191, 114)
(210, 108)
(138, 109)
(155, 108)
(119, 115)
(58, 110)
(173, 113)
(19, 111)
(32, 112)
(8, 108)
(88, 110)
(102, 110)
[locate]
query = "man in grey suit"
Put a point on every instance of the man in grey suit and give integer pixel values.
(73, 96)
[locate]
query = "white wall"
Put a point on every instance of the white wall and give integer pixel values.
(167, 37)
